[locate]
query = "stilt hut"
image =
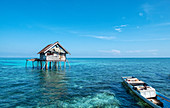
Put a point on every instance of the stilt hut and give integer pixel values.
(52, 54)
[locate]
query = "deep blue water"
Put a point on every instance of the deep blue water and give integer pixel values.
(88, 83)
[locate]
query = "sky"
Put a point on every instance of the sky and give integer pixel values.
(86, 28)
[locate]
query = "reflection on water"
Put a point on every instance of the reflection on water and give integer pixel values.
(53, 86)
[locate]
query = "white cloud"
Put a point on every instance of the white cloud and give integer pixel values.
(104, 37)
(140, 14)
(142, 51)
(123, 18)
(144, 40)
(123, 25)
(113, 51)
(163, 24)
(147, 8)
(162, 39)
(154, 53)
(73, 32)
(134, 51)
(137, 27)
(119, 28)
(151, 51)
(101, 37)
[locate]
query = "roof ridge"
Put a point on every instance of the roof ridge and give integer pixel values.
(51, 45)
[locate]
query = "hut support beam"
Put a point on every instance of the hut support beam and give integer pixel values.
(56, 65)
(64, 64)
(41, 64)
(37, 64)
(46, 65)
(50, 65)
(60, 64)
(32, 64)
(68, 63)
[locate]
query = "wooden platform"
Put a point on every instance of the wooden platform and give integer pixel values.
(51, 63)
(36, 59)
(33, 59)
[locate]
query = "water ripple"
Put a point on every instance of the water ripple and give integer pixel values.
(88, 83)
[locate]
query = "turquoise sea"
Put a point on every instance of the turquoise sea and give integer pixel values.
(89, 83)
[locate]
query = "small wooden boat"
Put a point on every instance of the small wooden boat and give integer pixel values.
(147, 93)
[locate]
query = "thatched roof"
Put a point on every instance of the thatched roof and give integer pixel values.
(48, 47)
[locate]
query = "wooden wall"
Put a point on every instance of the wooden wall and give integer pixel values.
(53, 57)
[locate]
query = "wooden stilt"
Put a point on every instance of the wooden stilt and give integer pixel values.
(41, 64)
(37, 64)
(46, 65)
(50, 65)
(68, 63)
(32, 64)
(60, 64)
(64, 64)
(56, 65)
(53, 64)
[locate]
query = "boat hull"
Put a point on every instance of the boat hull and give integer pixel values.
(140, 96)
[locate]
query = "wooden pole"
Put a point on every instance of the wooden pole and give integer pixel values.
(53, 64)
(32, 64)
(37, 64)
(41, 64)
(60, 64)
(56, 65)
(64, 64)
(68, 63)
(50, 65)
(46, 66)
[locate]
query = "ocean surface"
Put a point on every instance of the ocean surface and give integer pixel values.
(87, 83)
